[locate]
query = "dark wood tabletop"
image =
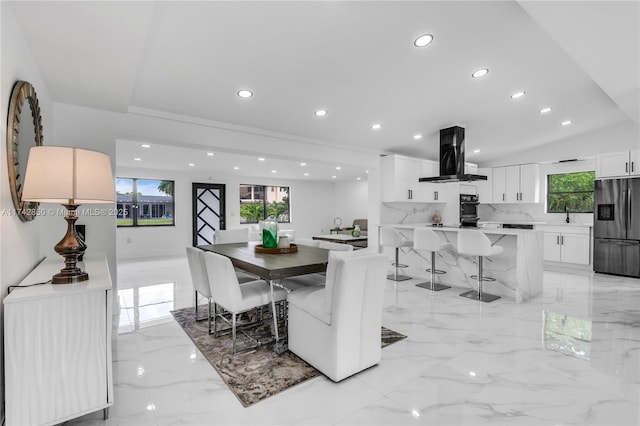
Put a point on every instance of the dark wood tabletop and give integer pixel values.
(306, 260)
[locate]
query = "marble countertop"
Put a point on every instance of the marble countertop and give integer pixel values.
(525, 222)
(500, 231)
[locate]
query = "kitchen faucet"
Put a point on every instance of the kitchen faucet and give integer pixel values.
(566, 209)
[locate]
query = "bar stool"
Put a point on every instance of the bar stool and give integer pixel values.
(390, 237)
(476, 243)
(427, 240)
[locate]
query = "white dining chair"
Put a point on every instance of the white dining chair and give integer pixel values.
(337, 327)
(233, 297)
(199, 279)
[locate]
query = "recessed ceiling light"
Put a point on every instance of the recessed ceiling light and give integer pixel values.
(261, 159)
(376, 126)
(423, 40)
(303, 164)
(480, 73)
(366, 171)
(333, 177)
(210, 154)
(245, 93)
(418, 136)
(191, 164)
(137, 159)
(321, 113)
(338, 168)
(475, 151)
(145, 145)
(545, 110)
(274, 171)
(518, 94)
(236, 168)
(566, 123)
(306, 174)
(358, 178)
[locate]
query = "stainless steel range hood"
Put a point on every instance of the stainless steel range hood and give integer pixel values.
(452, 158)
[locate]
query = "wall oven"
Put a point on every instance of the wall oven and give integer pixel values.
(469, 210)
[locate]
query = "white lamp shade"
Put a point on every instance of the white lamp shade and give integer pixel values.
(64, 175)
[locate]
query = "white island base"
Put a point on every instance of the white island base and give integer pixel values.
(517, 271)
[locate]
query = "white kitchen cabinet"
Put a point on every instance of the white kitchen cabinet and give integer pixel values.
(530, 183)
(499, 185)
(568, 244)
(400, 180)
(634, 157)
(485, 187)
(57, 346)
(512, 184)
(516, 184)
(429, 192)
(618, 164)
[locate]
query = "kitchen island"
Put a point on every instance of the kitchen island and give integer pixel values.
(518, 270)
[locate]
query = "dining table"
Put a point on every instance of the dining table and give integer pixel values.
(273, 268)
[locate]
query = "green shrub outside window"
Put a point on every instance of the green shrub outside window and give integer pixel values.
(570, 191)
(259, 202)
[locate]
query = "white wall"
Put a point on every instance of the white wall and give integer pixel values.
(19, 241)
(350, 201)
(621, 137)
(312, 211)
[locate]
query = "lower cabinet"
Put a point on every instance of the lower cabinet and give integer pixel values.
(57, 346)
(567, 247)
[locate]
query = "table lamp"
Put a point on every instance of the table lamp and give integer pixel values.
(71, 177)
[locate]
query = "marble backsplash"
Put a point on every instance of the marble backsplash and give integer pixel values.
(422, 213)
(408, 212)
(528, 213)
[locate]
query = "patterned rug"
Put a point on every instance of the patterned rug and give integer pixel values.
(255, 375)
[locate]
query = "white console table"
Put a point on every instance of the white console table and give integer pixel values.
(57, 346)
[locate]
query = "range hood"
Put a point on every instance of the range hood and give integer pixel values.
(452, 158)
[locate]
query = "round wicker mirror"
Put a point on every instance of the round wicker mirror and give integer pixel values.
(24, 130)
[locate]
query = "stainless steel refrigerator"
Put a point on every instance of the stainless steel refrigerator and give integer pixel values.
(616, 227)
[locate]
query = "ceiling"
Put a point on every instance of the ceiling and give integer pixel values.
(354, 59)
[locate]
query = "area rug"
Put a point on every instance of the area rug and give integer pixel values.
(256, 375)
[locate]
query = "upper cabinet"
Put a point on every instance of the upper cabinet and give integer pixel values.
(400, 180)
(485, 187)
(429, 192)
(618, 164)
(516, 184)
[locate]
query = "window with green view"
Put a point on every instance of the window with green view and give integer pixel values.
(570, 191)
(259, 202)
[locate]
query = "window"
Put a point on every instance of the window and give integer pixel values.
(258, 202)
(144, 202)
(570, 191)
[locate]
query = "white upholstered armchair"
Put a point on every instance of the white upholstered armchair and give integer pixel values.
(336, 328)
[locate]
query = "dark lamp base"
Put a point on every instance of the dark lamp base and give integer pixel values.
(66, 278)
(71, 247)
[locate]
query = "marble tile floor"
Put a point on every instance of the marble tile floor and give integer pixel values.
(568, 357)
